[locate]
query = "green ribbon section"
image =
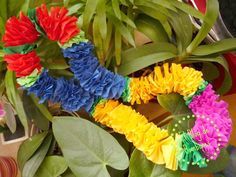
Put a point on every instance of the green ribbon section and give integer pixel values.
(189, 152)
(33, 17)
(75, 40)
(201, 88)
(126, 95)
(22, 49)
(29, 80)
(96, 102)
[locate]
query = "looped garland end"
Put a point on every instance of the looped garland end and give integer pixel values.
(93, 88)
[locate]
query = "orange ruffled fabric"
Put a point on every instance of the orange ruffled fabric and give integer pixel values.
(154, 142)
(164, 80)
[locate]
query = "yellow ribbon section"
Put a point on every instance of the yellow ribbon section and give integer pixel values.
(164, 80)
(154, 142)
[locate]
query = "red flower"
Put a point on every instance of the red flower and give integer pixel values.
(20, 31)
(23, 64)
(57, 25)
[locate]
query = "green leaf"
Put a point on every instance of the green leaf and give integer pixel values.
(102, 18)
(152, 28)
(118, 47)
(213, 166)
(28, 148)
(74, 9)
(144, 61)
(3, 11)
(227, 83)
(180, 22)
(187, 8)
(212, 13)
(42, 108)
(216, 47)
(32, 165)
(89, 148)
(14, 98)
(25, 6)
(52, 166)
(116, 8)
(210, 71)
(68, 173)
(174, 103)
(33, 112)
(140, 167)
(122, 28)
(89, 11)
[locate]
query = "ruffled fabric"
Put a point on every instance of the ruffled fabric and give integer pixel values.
(75, 40)
(66, 92)
(19, 31)
(93, 77)
(164, 80)
(57, 24)
(189, 152)
(213, 125)
(154, 142)
(23, 64)
(28, 81)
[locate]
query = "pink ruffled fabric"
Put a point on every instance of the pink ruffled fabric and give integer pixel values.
(213, 125)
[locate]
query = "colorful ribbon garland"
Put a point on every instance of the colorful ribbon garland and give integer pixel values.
(94, 86)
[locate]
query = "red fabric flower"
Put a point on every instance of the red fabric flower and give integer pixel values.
(23, 64)
(20, 31)
(57, 25)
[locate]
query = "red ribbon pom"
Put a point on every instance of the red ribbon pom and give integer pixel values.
(57, 25)
(23, 64)
(20, 31)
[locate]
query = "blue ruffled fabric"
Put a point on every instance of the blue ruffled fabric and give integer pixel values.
(66, 92)
(92, 76)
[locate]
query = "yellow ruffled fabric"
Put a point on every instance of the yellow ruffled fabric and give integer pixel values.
(154, 142)
(164, 80)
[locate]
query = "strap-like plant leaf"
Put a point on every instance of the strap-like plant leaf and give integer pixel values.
(116, 8)
(140, 167)
(52, 166)
(14, 98)
(217, 47)
(137, 58)
(102, 18)
(28, 148)
(89, 149)
(32, 165)
(151, 28)
(118, 45)
(209, 20)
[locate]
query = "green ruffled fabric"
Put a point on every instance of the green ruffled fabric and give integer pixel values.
(96, 102)
(29, 80)
(201, 88)
(75, 40)
(33, 18)
(22, 49)
(189, 152)
(126, 96)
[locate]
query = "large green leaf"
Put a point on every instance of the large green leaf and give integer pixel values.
(32, 165)
(217, 47)
(212, 13)
(102, 19)
(14, 98)
(52, 166)
(89, 149)
(28, 148)
(140, 167)
(213, 166)
(10, 117)
(175, 104)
